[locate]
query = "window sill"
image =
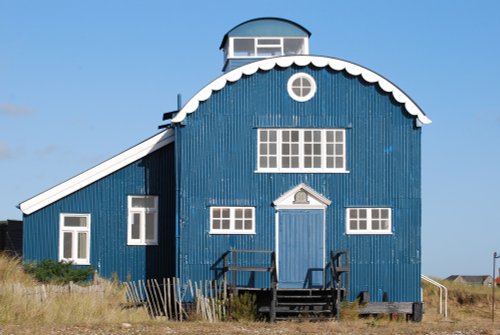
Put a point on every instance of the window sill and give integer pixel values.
(86, 263)
(141, 244)
(369, 233)
(303, 171)
(231, 233)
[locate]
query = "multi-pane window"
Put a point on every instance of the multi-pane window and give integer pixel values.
(268, 147)
(74, 238)
(369, 221)
(290, 149)
(301, 150)
(250, 47)
(232, 220)
(142, 220)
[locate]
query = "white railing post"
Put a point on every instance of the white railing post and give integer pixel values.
(441, 288)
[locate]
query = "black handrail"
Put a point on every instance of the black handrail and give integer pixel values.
(337, 268)
(234, 269)
(231, 265)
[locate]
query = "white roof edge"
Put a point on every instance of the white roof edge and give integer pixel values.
(306, 188)
(100, 171)
(287, 61)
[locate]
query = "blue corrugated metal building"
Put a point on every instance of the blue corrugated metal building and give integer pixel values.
(286, 152)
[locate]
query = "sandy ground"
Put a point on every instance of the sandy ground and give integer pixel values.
(375, 327)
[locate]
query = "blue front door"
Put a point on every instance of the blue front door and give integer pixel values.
(301, 248)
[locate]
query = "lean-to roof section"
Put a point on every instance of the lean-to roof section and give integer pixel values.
(98, 172)
(318, 61)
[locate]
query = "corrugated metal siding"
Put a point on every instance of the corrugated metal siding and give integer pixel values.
(106, 201)
(218, 163)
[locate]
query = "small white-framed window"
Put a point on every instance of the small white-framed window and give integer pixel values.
(263, 47)
(301, 150)
(369, 221)
(74, 238)
(142, 220)
(232, 220)
(301, 87)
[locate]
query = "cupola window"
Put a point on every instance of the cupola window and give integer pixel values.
(261, 47)
(301, 87)
(263, 38)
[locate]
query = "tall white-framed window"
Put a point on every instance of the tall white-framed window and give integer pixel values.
(261, 47)
(232, 220)
(369, 221)
(74, 238)
(142, 220)
(301, 150)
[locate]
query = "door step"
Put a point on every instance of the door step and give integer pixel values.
(301, 304)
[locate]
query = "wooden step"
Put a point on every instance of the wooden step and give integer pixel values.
(306, 311)
(281, 310)
(304, 296)
(305, 318)
(302, 304)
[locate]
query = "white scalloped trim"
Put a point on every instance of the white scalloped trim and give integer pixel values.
(287, 61)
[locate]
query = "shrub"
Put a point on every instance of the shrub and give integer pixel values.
(50, 271)
(243, 307)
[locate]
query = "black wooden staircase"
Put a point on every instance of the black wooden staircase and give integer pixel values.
(301, 303)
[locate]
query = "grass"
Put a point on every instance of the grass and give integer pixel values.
(17, 308)
(469, 313)
(465, 302)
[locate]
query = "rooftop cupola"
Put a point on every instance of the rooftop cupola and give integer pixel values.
(263, 38)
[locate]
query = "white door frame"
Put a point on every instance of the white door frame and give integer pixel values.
(288, 201)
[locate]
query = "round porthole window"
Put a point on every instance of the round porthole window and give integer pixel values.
(301, 87)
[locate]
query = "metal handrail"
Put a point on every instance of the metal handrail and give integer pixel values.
(441, 288)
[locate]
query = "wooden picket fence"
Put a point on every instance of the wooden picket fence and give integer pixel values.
(173, 301)
(43, 292)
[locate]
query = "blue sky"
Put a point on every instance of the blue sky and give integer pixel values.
(81, 81)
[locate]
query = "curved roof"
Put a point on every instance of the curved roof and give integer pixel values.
(266, 27)
(302, 61)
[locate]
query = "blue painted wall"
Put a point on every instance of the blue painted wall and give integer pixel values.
(217, 163)
(106, 201)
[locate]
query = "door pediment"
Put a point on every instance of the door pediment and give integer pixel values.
(301, 196)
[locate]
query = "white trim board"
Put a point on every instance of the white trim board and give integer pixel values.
(302, 61)
(98, 172)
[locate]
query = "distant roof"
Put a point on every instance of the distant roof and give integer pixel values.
(8, 221)
(98, 172)
(302, 61)
(266, 26)
(470, 279)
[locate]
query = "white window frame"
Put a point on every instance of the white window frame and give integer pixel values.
(301, 98)
(369, 219)
(142, 211)
(74, 239)
(232, 218)
(257, 45)
(301, 154)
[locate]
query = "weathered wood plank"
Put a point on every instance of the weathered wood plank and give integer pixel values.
(387, 308)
